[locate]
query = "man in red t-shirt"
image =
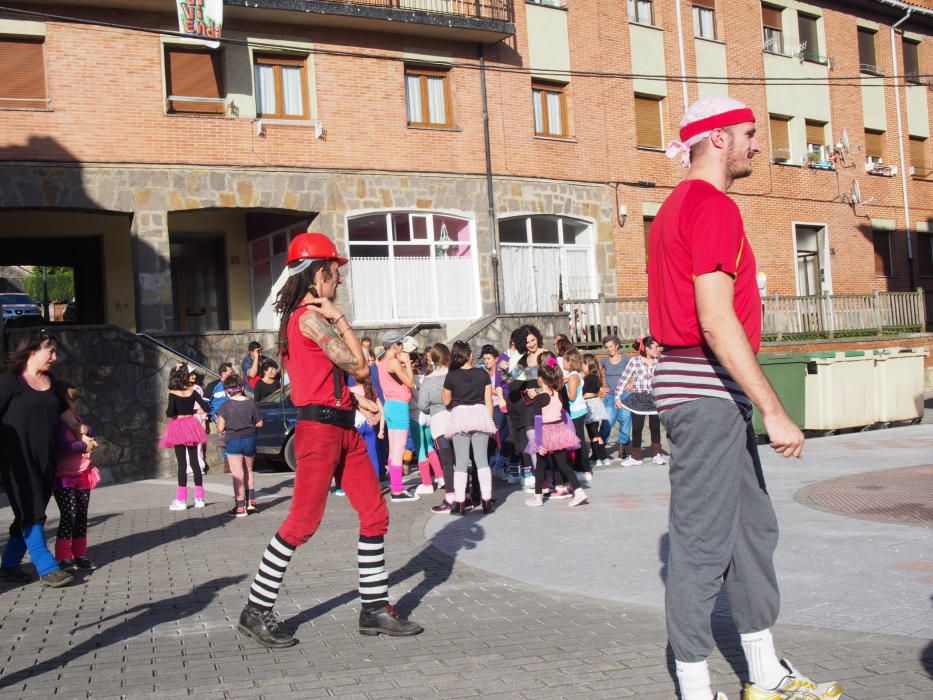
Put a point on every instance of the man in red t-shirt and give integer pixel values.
(704, 308)
(318, 348)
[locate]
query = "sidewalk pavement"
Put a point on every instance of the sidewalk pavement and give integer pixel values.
(517, 604)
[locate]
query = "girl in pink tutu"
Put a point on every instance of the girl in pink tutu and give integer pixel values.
(467, 394)
(554, 434)
(185, 433)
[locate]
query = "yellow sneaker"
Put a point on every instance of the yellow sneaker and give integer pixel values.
(794, 686)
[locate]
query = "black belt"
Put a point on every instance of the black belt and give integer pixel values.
(331, 415)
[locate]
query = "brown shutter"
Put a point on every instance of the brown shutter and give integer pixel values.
(711, 4)
(771, 17)
(866, 49)
(882, 243)
(874, 144)
(925, 254)
(780, 139)
(194, 73)
(22, 73)
(918, 156)
(648, 122)
(816, 134)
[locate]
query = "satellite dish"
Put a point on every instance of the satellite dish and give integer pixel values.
(844, 140)
(856, 193)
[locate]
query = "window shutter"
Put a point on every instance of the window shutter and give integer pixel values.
(648, 122)
(22, 73)
(710, 4)
(771, 17)
(882, 244)
(918, 156)
(816, 134)
(780, 139)
(194, 74)
(866, 48)
(874, 143)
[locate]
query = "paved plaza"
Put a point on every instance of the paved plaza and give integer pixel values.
(524, 603)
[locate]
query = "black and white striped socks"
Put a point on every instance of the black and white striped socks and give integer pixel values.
(275, 559)
(374, 579)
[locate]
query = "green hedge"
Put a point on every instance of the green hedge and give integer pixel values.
(60, 280)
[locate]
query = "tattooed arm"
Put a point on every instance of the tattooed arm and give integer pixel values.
(338, 341)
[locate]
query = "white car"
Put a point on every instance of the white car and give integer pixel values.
(17, 305)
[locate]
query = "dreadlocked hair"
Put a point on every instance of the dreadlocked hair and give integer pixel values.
(290, 296)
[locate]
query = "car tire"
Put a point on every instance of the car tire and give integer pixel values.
(288, 452)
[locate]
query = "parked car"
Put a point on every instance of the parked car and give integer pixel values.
(19, 305)
(275, 437)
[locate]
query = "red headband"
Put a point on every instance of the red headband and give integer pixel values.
(717, 121)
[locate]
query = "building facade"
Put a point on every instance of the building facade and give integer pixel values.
(471, 156)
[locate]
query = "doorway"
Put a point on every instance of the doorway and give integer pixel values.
(812, 260)
(199, 283)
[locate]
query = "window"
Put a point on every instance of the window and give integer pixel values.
(704, 19)
(648, 122)
(412, 266)
(816, 141)
(881, 240)
(267, 254)
(281, 87)
(918, 158)
(641, 11)
(545, 258)
(925, 253)
(547, 3)
(912, 61)
(874, 148)
(427, 94)
(809, 39)
(550, 107)
(646, 222)
(22, 73)
(780, 139)
(866, 51)
(194, 81)
(774, 31)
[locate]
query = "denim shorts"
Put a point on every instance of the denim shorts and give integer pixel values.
(245, 446)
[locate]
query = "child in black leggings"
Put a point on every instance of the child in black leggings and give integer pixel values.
(184, 433)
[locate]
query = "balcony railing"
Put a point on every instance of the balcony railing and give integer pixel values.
(783, 318)
(501, 10)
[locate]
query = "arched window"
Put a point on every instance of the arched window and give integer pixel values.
(412, 266)
(545, 258)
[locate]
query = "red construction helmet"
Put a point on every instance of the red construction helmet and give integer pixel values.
(313, 246)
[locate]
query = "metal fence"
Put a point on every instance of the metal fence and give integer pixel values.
(482, 9)
(829, 316)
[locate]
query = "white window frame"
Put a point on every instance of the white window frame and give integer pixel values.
(698, 22)
(635, 13)
(429, 214)
(590, 248)
(290, 232)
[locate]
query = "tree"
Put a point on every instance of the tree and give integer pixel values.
(60, 281)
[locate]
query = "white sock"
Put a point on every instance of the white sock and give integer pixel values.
(764, 667)
(694, 680)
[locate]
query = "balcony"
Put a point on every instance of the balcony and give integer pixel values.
(483, 21)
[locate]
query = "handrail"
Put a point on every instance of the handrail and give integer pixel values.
(188, 360)
(417, 328)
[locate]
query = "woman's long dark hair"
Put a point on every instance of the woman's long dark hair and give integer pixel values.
(290, 296)
(178, 379)
(521, 341)
(30, 343)
(459, 354)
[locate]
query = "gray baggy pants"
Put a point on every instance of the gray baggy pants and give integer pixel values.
(723, 530)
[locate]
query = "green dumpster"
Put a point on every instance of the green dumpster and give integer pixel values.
(787, 372)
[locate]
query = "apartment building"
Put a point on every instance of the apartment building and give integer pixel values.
(472, 156)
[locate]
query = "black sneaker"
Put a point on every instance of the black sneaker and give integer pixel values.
(442, 507)
(405, 497)
(57, 579)
(66, 564)
(14, 574)
(262, 625)
(387, 621)
(84, 564)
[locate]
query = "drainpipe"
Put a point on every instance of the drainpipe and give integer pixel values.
(683, 58)
(900, 148)
(491, 200)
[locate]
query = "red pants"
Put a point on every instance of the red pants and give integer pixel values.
(322, 451)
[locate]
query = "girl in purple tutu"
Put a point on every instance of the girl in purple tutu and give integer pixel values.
(467, 394)
(554, 434)
(184, 433)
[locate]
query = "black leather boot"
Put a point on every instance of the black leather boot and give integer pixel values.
(386, 621)
(489, 505)
(261, 625)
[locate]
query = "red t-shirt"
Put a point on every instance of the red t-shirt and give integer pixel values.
(311, 370)
(698, 230)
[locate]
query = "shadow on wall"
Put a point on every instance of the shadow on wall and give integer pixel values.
(123, 382)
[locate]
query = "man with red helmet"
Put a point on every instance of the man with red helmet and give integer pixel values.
(319, 348)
